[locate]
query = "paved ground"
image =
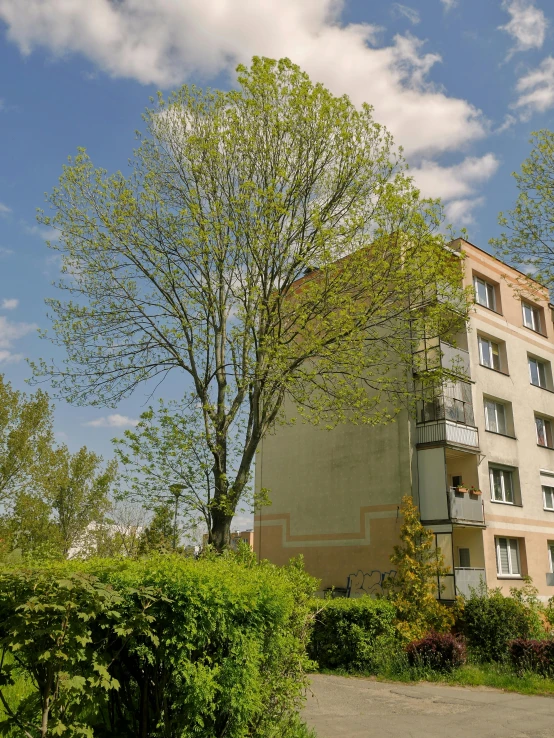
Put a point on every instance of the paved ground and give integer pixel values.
(341, 707)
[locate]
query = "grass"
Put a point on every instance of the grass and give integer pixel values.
(394, 667)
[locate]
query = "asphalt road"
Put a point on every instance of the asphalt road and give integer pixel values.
(348, 707)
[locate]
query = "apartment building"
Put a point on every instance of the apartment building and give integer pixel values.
(478, 458)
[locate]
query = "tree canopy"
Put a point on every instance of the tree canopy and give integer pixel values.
(267, 243)
(528, 241)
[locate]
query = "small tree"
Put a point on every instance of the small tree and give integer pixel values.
(419, 566)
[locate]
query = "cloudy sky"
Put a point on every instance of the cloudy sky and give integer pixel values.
(460, 83)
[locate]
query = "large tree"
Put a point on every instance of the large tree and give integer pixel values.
(267, 243)
(528, 238)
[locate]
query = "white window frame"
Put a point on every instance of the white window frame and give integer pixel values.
(492, 353)
(460, 549)
(546, 494)
(490, 300)
(503, 487)
(510, 573)
(551, 555)
(534, 323)
(539, 363)
(498, 411)
(547, 431)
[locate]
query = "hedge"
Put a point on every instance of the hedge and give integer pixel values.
(437, 651)
(165, 646)
(532, 655)
(351, 634)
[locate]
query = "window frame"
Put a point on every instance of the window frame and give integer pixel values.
(539, 363)
(547, 424)
(544, 487)
(511, 574)
(502, 473)
(536, 317)
(460, 549)
(550, 545)
(497, 415)
(490, 292)
(483, 340)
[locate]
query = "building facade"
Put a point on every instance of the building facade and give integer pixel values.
(478, 459)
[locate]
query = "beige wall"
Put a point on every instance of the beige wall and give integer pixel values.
(529, 522)
(335, 496)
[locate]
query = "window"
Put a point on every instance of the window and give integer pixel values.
(531, 317)
(507, 557)
(551, 555)
(548, 493)
(538, 372)
(484, 293)
(544, 431)
(489, 353)
(465, 561)
(502, 486)
(495, 417)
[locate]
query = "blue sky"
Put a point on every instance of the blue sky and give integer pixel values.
(461, 85)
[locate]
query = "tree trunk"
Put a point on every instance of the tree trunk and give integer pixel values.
(221, 530)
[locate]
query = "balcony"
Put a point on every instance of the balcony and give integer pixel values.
(442, 354)
(468, 579)
(447, 432)
(465, 508)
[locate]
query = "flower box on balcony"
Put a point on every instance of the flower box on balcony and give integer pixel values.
(461, 489)
(474, 491)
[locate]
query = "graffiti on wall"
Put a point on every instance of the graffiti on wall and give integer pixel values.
(368, 582)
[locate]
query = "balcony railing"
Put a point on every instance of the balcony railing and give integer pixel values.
(446, 431)
(465, 507)
(455, 360)
(468, 579)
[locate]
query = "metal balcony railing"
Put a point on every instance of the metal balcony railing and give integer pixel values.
(447, 431)
(468, 579)
(465, 507)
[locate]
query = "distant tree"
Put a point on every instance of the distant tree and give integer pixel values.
(27, 527)
(26, 437)
(222, 256)
(159, 534)
(528, 241)
(414, 588)
(77, 488)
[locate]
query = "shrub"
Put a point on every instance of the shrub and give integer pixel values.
(165, 646)
(437, 651)
(419, 565)
(350, 633)
(527, 654)
(490, 621)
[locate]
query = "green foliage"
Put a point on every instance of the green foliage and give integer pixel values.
(221, 257)
(490, 621)
(159, 534)
(25, 438)
(413, 590)
(528, 240)
(351, 634)
(165, 646)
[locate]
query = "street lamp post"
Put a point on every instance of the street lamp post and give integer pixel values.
(176, 490)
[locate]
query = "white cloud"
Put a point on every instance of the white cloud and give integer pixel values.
(410, 13)
(536, 88)
(509, 121)
(4, 209)
(457, 181)
(44, 232)
(5, 252)
(527, 26)
(460, 212)
(112, 421)
(449, 4)
(10, 332)
(9, 304)
(165, 43)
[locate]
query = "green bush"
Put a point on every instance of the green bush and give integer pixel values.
(351, 634)
(165, 646)
(490, 621)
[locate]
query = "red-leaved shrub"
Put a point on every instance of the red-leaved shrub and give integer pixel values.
(530, 655)
(438, 651)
